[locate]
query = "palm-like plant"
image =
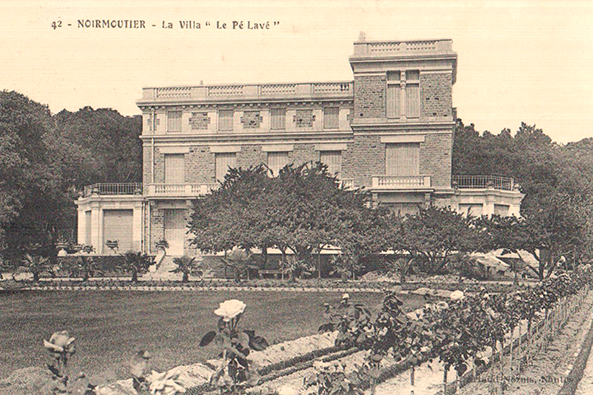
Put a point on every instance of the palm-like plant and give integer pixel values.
(295, 267)
(240, 262)
(187, 266)
(86, 267)
(136, 263)
(37, 265)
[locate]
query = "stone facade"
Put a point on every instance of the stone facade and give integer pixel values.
(411, 80)
(436, 95)
(370, 97)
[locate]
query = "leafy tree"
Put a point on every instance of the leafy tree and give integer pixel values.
(301, 211)
(187, 266)
(136, 263)
(434, 234)
(99, 146)
(33, 200)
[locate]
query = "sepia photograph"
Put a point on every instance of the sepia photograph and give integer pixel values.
(296, 197)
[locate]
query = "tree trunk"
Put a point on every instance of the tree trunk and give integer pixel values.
(36, 277)
(185, 278)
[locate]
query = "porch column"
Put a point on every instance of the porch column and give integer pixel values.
(137, 227)
(81, 234)
(96, 226)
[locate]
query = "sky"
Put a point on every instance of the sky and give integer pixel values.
(529, 61)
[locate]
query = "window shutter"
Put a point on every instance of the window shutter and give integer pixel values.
(225, 120)
(413, 101)
(174, 168)
(174, 121)
(333, 160)
(331, 118)
(224, 161)
(278, 119)
(393, 95)
(403, 159)
(276, 161)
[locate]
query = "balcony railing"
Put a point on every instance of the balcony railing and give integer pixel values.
(403, 48)
(180, 189)
(341, 89)
(401, 182)
(127, 188)
(484, 182)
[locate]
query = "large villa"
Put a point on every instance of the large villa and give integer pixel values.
(390, 130)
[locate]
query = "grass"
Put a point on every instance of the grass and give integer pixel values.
(110, 326)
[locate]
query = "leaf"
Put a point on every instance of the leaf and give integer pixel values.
(244, 340)
(258, 343)
(207, 339)
(54, 370)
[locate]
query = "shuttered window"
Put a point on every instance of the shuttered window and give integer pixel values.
(118, 225)
(276, 161)
(331, 118)
(402, 159)
(413, 100)
(333, 160)
(225, 120)
(393, 94)
(174, 121)
(174, 168)
(224, 162)
(278, 119)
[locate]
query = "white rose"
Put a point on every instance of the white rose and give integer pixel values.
(456, 295)
(230, 309)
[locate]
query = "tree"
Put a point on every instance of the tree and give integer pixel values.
(433, 234)
(187, 266)
(32, 197)
(300, 211)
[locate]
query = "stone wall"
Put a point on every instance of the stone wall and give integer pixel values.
(199, 166)
(363, 159)
(369, 97)
(436, 95)
(435, 158)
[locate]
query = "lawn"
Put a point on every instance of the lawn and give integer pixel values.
(110, 325)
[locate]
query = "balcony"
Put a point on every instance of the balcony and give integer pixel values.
(111, 189)
(401, 182)
(254, 92)
(179, 190)
(484, 182)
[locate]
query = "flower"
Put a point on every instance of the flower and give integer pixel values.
(456, 295)
(60, 343)
(229, 309)
(165, 383)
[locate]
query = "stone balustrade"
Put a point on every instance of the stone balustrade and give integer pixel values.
(366, 49)
(342, 89)
(400, 182)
